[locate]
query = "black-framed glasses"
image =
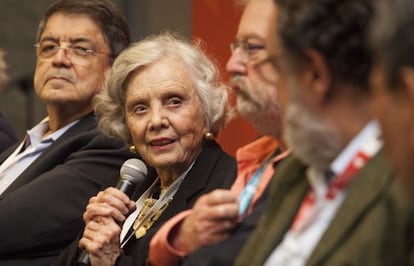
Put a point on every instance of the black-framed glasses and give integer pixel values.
(250, 52)
(78, 54)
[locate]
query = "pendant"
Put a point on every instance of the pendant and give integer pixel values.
(140, 232)
(140, 226)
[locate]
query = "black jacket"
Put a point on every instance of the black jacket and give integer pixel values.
(41, 212)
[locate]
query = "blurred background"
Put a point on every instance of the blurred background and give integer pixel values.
(213, 21)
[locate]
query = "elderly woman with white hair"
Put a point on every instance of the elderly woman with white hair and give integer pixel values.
(164, 96)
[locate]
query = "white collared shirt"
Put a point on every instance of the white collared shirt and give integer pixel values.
(23, 157)
(298, 244)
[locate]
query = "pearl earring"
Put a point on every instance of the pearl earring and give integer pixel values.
(209, 136)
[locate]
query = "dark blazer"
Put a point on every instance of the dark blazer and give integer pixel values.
(373, 226)
(41, 212)
(213, 169)
(8, 136)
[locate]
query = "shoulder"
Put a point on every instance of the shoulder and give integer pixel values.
(212, 169)
(85, 134)
(214, 159)
(213, 151)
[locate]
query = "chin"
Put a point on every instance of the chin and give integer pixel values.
(163, 163)
(311, 140)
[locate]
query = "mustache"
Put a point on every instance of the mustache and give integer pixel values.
(240, 87)
(60, 74)
(235, 80)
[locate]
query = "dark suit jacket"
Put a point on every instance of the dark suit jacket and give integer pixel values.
(373, 226)
(7, 135)
(212, 169)
(41, 212)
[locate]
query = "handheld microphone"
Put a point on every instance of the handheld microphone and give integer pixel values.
(133, 172)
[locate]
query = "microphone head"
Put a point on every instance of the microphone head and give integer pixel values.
(134, 171)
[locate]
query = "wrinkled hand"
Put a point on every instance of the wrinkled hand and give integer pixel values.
(104, 216)
(212, 219)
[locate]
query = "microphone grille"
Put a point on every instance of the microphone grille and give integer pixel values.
(133, 170)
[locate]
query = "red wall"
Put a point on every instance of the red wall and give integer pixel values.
(215, 22)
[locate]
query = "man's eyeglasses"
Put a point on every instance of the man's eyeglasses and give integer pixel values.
(252, 53)
(77, 54)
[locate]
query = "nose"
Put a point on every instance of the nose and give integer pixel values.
(158, 119)
(62, 57)
(235, 64)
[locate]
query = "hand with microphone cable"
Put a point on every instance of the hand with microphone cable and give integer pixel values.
(105, 215)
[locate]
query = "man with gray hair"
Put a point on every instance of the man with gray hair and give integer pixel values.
(335, 200)
(47, 179)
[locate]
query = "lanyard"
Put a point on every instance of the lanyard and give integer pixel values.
(248, 192)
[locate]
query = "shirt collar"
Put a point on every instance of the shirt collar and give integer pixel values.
(35, 135)
(257, 150)
(370, 132)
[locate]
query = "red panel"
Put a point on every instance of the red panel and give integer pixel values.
(215, 22)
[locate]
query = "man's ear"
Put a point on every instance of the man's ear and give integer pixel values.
(317, 74)
(407, 81)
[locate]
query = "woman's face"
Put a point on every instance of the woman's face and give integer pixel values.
(164, 115)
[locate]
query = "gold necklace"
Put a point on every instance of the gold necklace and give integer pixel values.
(148, 204)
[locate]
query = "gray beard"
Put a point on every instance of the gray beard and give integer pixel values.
(266, 119)
(312, 140)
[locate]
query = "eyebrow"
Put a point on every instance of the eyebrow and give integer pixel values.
(250, 37)
(71, 40)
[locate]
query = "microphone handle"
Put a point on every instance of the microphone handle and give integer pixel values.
(83, 259)
(126, 186)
